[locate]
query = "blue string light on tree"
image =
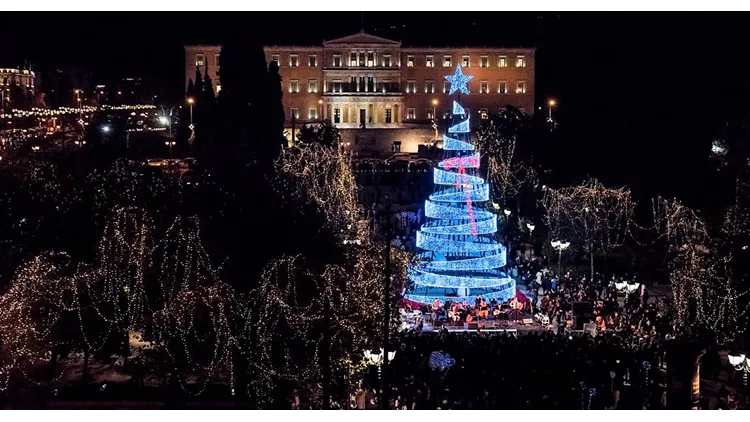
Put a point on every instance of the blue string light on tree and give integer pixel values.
(459, 253)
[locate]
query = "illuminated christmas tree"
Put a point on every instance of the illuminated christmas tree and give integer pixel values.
(459, 253)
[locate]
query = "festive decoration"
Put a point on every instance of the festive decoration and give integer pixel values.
(460, 255)
(440, 361)
(458, 81)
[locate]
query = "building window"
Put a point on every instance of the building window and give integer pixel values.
(275, 58)
(446, 113)
(293, 60)
(216, 58)
(337, 60)
(409, 61)
(466, 60)
(337, 86)
(200, 59)
(484, 61)
(396, 146)
(362, 59)
(294, 87)
(429, 61)
(312, 61)
(388, 115)
(387, 61)
(446, 87)
(353, 59)
(411, 87)
(312, 113)
(520, 87)
(429, 87)
(411, 113)
(295, 113)
(502, 87)
(428, 113)
(483, 113)
(312, 86)
(484, 87)
(370, 59)
(447, 61)
(336, 115)
(520, 61)
(502, 61)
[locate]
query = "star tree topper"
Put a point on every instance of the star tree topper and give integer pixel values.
(458, 81)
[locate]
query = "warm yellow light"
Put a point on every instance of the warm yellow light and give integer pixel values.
(552, 103)
(434, 102)
(320, 101)
(190, 101)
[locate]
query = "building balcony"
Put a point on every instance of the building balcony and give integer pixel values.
(363, 89)
(394, 68)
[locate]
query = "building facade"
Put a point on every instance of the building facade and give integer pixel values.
(386, 97)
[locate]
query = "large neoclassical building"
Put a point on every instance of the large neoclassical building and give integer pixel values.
(386, 97)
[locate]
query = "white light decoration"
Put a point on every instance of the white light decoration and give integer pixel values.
(458, 244)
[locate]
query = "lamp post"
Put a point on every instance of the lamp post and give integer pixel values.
(551, 103)
(434, 117)
(740, 363)
(559, 247)
(170, 144)
(378, 359)
(320, 110)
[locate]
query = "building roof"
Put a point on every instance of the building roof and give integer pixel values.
(361, 38)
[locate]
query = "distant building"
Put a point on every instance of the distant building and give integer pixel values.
(23, 79)
(386, 98)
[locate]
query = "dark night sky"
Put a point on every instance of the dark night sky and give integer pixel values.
(640, 93)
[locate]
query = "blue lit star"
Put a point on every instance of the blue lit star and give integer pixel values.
(458, 81)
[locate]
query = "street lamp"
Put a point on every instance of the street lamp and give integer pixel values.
(551, 103)
(507, 213)
(170, 144)
(434, 117)
(378, 359)
(740, 363)
(320, 109)
(531, 227)
(559, 247)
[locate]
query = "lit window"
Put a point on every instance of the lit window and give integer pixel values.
(502, 61)
(447, 61)
(353, 59)
(216, 58)
(502, 87)
(218, 88)
(484, 87)
(337, 86)
(411, 87)
(275, 58)
(428, 113)
(446, 87)
(484, 61)
(337, 60)
(362, 59)
(294, 86)
(466, 61)
(396, 146)
(336, 115)
(387, 61)
(312, 113)
(293, 60)
(411, 114)
(429, 87)
(520, 61)
(446, 113)
(520, 87)
(370, 59)
(483, 114)
(312, 61)
(312, 85)
(429, 61)
(409, 61)
(200, 59)
(388, 115)
(295, 113)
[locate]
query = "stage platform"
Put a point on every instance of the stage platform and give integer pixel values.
(525, 324)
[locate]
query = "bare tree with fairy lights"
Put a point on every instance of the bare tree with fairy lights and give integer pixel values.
(595, 217)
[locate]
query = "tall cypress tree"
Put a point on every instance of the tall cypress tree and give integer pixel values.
(190, 91)
(198, 83)
(274, 125)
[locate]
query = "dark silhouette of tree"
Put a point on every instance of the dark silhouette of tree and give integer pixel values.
(190, 92)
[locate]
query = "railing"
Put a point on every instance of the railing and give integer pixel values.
(364, 88)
